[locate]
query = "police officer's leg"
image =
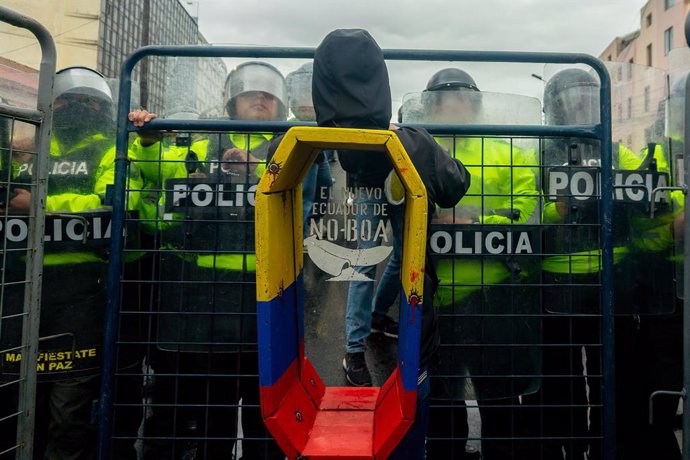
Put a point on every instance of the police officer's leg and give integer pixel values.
(448, 429)
(72, 432)
(664, 338)
(258, 443)
(219, 393)
(502, 415)
(128, 413)
(652, 363)
(166, 419)
(501, 429)
(628, 381)
(389, 286)
(558, 411)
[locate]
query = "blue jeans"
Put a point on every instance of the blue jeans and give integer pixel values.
(390, 285)
(360, 293)
(413, 445)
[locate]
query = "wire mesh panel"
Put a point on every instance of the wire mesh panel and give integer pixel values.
(189, 297)
(515, 343)
(488, 252)
(13, 337)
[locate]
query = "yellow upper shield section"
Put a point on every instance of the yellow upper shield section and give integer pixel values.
(279, 205)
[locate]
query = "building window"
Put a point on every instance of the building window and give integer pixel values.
(649, 55)
(646, 98)
(620, 111)
(629, 108)
(619, 73)
(668, 4)
(649, 19)
(668, 40)
(630, 69)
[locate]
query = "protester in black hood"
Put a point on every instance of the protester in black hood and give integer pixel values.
(351, 90)
(350, 83)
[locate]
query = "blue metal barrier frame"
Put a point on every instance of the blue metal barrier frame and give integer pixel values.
(600, 131)
(42, 118)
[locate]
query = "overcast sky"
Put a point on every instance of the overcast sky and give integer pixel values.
(585, 26)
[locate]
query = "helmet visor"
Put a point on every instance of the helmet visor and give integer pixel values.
(256, 78)
(81, 82)
(299, 92)
(577, 105)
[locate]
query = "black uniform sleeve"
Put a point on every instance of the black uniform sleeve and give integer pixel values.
(445, 178)
(452, 179)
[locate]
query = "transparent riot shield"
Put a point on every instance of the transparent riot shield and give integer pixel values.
(207, 295)
(643, 204)
(349, 236)
(571, 265)
(679, 62)
(487, 249)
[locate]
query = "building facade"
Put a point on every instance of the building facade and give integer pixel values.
(101, 34)
(662, 25)
(639, 87)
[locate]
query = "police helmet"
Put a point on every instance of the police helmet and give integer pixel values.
(448, 86)
(451, 79)
(255, 76)
(299, 88)
(82, 81)
(571, 97)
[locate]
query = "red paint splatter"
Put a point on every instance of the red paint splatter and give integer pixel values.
(413, 300)
(413, 276)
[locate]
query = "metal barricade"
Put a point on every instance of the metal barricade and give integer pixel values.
(172, 269)
(23, 240)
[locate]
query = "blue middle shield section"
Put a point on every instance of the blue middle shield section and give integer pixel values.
(409, 341)
(280, 332)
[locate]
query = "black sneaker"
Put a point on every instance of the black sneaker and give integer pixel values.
(384, 325)
(356, 369)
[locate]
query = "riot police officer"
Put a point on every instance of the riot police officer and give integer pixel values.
(649, 323)
(572, 274)
(207, 298)
(570, 97)
(82, 156)
(503, 193)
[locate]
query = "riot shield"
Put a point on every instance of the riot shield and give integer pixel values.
(643, 209)
(348, 238)
(207, 292)
(487, 249)
(642, 245)
(676, 128)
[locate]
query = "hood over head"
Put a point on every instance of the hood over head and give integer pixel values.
(350, 85)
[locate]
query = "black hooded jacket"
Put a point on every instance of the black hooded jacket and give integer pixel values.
(350, 89)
